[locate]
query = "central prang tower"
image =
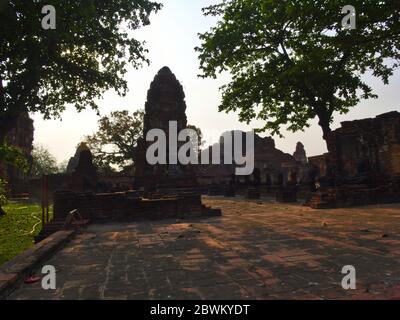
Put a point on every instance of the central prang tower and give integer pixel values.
(165, 103)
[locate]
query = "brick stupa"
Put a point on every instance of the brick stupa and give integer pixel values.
(165, 103)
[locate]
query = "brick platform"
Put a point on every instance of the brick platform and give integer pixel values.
(131, 206)
(255, 250)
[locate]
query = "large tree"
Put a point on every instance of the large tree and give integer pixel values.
(87, 54)
(114, 143)
(43, 162)
(292, 61)
(198, 137)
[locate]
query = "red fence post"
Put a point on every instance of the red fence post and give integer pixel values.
(43, 201)
(46, 192)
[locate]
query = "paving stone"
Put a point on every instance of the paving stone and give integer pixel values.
(273, 251)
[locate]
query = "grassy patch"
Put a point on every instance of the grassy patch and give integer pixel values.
(18, 228)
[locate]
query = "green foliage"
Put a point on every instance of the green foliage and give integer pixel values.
(14, 156)
(292, 61)
(3, 192)
(88, 53)
(114, 144)
(62, 167)
(199, 133)
(43, 162)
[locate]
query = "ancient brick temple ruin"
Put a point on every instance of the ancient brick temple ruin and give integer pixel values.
(21, 137)
(165, 103)
(81, 176)
(160, 191)
(367, 148)
(363, 163)
(276, 173)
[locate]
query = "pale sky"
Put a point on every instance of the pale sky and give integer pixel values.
(171, 39)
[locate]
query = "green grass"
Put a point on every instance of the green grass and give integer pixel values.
(17, 228)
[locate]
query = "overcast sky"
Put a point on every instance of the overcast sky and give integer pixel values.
(171, 39)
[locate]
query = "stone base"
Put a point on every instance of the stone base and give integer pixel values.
(320, 200)
(216, 190)
(253, 193)
(230, 192)
(129, 206)
(355, 195)
(287, 194)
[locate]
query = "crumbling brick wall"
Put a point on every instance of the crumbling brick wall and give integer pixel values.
(367, 146)
(126, 206)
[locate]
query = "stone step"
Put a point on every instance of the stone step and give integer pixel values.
(52, 227)
(321, 205)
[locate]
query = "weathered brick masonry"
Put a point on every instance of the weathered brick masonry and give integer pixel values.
(129, 206)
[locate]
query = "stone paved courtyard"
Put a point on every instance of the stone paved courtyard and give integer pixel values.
(256, 250)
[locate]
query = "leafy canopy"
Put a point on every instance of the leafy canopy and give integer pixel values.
(114, 144)
(43, 162)
(10, 155)
(292, 61)
(87, 54)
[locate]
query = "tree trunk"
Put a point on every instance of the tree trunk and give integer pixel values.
(7, 123)
(331, 169)
(9, 115)
(324, 123)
